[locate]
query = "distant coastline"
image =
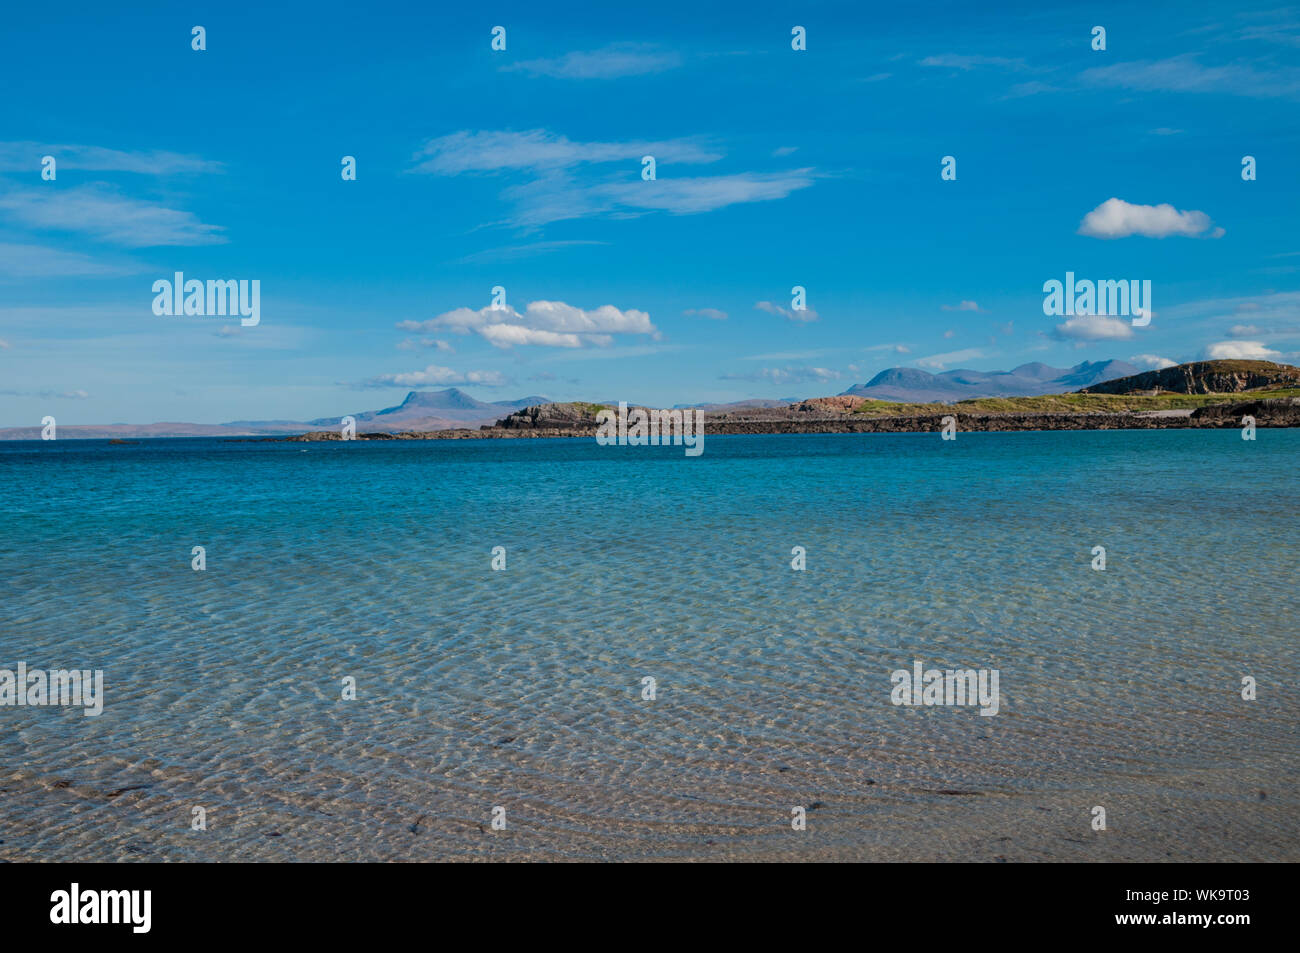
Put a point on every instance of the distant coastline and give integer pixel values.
(574, 420)
(1197, 395)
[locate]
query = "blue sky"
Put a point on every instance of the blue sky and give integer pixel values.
(522, 168)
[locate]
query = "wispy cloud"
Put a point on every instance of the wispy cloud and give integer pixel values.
(713, 314)
(786, 375)
(48, 394)
(517, 252)
(1034, 87)
(611, 62)
(411, 344)
(537, 149)
(804, 316)
(565, 179)
(39, 261)
(101, 212)
(963, 62)
(940, 361)
(962, 306)
(1115, 218)
(557, 197)
(1185, 74)
(26, 157)
(896, 348)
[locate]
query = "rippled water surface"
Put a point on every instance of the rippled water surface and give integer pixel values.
(522, 688)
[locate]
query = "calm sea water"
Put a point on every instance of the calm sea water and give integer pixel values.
(522, 688)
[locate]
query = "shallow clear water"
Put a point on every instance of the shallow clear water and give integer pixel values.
(522, 688)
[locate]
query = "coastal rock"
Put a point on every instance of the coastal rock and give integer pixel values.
(1203, 377)
(566, 416)
(840, 404)
(1275, 412)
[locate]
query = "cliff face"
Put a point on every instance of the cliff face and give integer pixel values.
(1203, 377)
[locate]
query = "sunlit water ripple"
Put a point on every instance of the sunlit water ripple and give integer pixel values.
(522, 688)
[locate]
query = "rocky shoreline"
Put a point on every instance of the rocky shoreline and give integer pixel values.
(578, 420)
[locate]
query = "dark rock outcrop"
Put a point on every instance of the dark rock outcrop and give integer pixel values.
(566, 416)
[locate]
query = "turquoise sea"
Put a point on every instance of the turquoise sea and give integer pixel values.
(522, 688)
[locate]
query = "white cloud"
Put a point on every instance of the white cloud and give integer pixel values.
(1241, 351)
(1245, 331)
(713, 314)
(545, 323)
(1115, 218)
(100, 212)
(804, 316)
(435, 376)
(1094, 327)
(3, 344)
(1152, 361)
(508, 335)
(618, 59)
(963, 306)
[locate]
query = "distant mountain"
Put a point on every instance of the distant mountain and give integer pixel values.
(1204, 377)
(912, 385)
(420, 410)
(740, 404)
(452, 404)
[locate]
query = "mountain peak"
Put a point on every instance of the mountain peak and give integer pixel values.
(911, 384)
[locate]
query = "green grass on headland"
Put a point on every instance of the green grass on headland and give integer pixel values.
(1069, 403)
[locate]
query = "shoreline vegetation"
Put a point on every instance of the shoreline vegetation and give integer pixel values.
(1200, 394)
(832, 415)
(1216, 394)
